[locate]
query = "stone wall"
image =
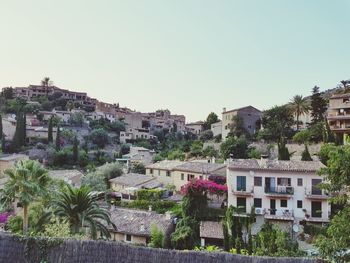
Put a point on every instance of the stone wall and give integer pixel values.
(18, 250)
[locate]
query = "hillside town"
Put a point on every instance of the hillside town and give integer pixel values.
(263, 182)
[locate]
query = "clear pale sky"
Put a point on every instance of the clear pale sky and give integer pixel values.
(191, 56)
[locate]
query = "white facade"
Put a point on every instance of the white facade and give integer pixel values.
(282, 191)
(216, 128)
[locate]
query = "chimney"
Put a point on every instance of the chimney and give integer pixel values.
(263, 161)
(150, 208)
(224, 109)
(168, 215)
(142, 227)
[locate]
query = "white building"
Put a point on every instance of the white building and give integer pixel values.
(216, 128)
(285, 192)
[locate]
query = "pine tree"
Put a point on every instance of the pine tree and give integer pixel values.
(75, 150)
(49, 131)
(58, 138)
(1, 132)
(318, 106)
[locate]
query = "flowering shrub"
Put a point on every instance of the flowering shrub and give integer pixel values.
(201, 185)
(4, 217)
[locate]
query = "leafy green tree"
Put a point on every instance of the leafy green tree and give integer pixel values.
(99, 137)
(77, 118)
(277, 123)
(7, 93)
(299, 105)
(157, 237)
(50, 131)
(27, 181)
(80, 208)
(176, 155)
(304, 137)
(206, 135)
(325, 152)
(209, 151)
(196, 148)
(237, 147)
(274, 242)
(237, 127)
(318, 105)
(95, 181)
(138, 168)
(334, 245)
(337, 174)
(57, 228)
(212, 118)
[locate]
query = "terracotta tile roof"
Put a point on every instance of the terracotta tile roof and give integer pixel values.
(164, 165)
(275, 165)
(210, 229)
(132, 179)
(200, 167)
(138, 222)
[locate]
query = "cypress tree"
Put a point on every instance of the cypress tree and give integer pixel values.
(1, 132)
(3, 144)
(16, 141)
(49, 132)
(75, 150)
(24, 129)
(58, 138)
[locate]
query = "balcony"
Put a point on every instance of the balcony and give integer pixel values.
(316, 194)
(242, 191)
(279, 214)
(279, 191)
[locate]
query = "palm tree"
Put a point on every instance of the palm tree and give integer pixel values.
(299, 105)
(27, 181)
(79, 206)
(46, 82)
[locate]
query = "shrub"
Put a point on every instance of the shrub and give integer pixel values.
(157, 237)
(150, 194)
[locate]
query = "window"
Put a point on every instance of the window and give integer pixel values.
(299, 204)
(182, 177)
(168, 173)
(241, 183)
(257, 202)
(284, 181)
(128, 238)
(158, 172)
(300, 181)
(257, 181)
(249, 126)
(241, 204)
(316, 209)
(283, 203)
(151, 171)
(190, 177)
(315, 187)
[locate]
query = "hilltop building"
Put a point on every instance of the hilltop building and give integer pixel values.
(250, 116)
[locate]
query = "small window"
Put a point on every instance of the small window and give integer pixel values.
(257, 181)
(128, 238)
(168, 173)
(257, 202)
(300, 181)
(283, 203)
(299, 204)
(151, 171)
(182, 177)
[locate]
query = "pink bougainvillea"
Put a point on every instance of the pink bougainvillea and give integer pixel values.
(4, 217)
(201, 185)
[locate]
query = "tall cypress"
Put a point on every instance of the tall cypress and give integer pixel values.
(24, 129)
(318, 106)
(58, 138)
(49, 132)
(1, 132)
(75, 150)
(16, 141)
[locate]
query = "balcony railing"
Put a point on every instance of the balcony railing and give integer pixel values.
(316, 194)
(279, 190)
(279, 214)
(242, 191)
